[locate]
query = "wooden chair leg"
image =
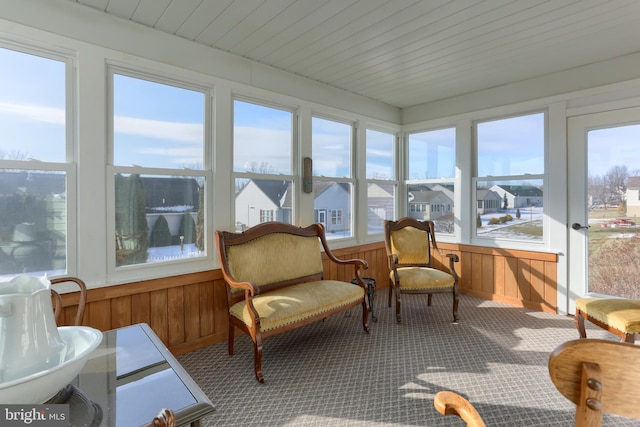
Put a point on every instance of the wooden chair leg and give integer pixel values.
(455, 307)
(398, 316)
(257, 358)
(390, 291)
(579, 319)
(429, 300)
(231, 337)
(365, 316)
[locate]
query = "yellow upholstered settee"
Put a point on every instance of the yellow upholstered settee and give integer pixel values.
(275, 281)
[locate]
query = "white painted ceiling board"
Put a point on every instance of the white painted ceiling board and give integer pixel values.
(401, 52)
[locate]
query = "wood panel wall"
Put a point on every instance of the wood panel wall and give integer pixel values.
(189, 311)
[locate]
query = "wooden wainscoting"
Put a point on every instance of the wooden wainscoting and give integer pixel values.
(189, 311)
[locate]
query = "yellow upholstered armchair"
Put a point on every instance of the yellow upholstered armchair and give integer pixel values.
(408, 242)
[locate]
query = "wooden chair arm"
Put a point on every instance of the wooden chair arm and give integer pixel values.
(450, 403)
(165, 418)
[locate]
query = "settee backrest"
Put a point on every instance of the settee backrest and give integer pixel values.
(271, 254)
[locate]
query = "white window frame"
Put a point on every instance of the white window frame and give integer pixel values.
(69, 166)
(170, 267)
(504, 242)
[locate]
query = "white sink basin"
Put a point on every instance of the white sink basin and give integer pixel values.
(41, 386)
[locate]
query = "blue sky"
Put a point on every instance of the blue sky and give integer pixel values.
(159, 125)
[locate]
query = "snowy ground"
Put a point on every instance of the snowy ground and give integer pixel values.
(528, 216)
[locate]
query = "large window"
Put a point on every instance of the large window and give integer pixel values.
(332, 146)
(431, 177)
(382, 181)
(262, 164)
(509, 181)
(158, 174)
(36, 177)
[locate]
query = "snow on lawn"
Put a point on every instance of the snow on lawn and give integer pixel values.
(510, 230)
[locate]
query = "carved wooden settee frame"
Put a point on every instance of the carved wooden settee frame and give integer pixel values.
(276, 282)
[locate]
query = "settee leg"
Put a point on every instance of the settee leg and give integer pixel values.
(257, 358)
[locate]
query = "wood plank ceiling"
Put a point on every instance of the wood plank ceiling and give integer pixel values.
(401, 52)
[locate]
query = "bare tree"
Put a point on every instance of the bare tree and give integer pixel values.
(14, 155)
(615, 181)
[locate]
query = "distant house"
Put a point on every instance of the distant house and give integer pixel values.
(263, 200)
(429, 204)
(380, 205)
(519, 196)
(488, 201)
(633, 196)
(332, 206)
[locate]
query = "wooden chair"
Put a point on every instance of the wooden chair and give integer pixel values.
(450, 403)
(619, 316)
(57, 299)
(408, 244)
(599, 376)
(165, 418)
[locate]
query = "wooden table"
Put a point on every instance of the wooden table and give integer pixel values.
(131, 376)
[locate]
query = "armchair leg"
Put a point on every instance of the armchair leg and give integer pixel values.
(391, 284)
(429, 300)
(398, 316)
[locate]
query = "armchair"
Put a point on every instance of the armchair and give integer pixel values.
(408, 243)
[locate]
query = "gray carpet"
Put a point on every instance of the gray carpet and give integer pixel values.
(332, 373)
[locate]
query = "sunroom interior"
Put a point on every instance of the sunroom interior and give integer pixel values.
(480, 116)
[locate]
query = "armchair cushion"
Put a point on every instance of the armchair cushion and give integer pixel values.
(423, 278)
(619, 313)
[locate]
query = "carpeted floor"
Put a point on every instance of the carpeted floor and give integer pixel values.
(332, 373)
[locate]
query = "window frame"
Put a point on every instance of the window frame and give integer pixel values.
(393, 180)
(70, 164)
(407, 181)
(240, 175)
(351, 180)
(168, 267)
(475, 179)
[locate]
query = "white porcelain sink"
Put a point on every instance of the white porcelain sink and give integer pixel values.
(41, 386)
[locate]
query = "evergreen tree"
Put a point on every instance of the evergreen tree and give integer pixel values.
(505, 202)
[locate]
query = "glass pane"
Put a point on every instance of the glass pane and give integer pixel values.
(331, 148)
(332, 207)
(380, 205)
(158, 218)
(33, 222)
(509, 209)
(380, 155)
(432, 202)
(262, 200)
(32, 107)
(513, 146)
(262, 139)
(157, 125)
(614, 211)
(432, 154)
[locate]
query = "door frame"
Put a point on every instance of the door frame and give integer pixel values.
(578, 128)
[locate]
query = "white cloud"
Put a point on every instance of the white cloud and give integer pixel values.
(38, 113)
(175, 131)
